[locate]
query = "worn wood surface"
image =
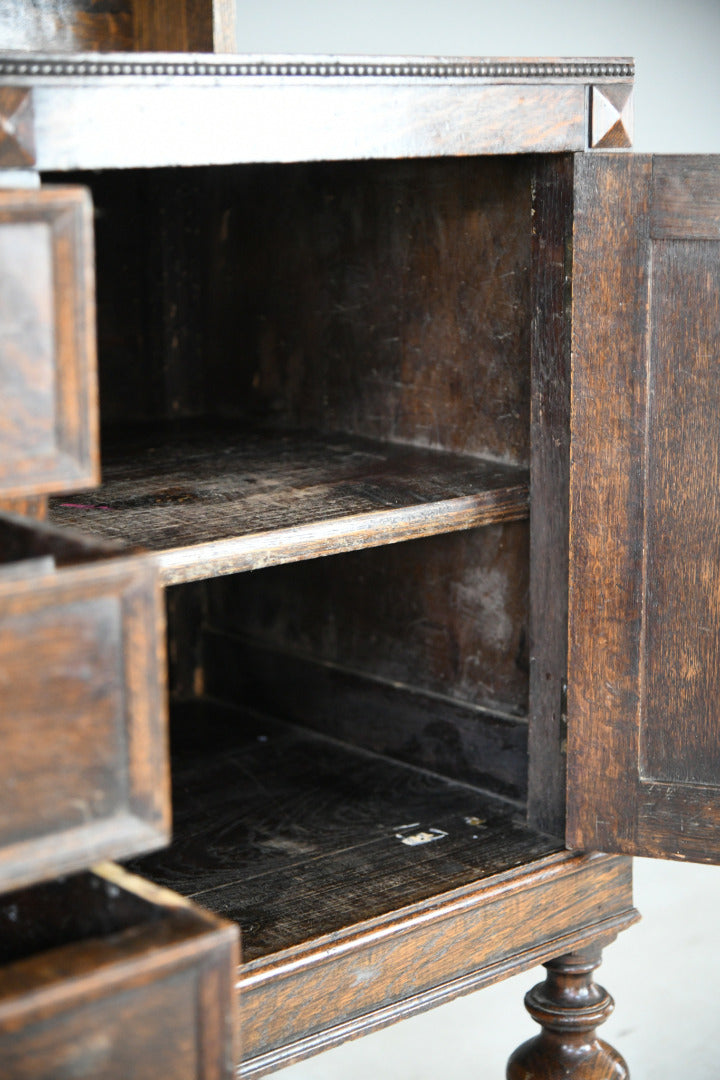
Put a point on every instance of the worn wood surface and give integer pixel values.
(431, 731)
(82, 670)
(294, 835)
(686, 195)
(34, 506)
(17, 130)
(645, 521)
(550, 442)
(48, 424)
(446, 615)
(109, 977)
(231, 120)
(389, 299)
(569, 1006)
(230, 500)
(70, 26)
(340, 986)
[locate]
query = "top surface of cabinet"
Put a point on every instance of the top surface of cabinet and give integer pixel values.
(192, 109)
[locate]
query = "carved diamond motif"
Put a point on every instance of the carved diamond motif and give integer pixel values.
(17, 136)
(611, 115)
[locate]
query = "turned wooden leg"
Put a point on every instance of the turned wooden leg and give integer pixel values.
(568, 1006)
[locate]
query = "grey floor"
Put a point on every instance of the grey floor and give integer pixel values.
(660, 972)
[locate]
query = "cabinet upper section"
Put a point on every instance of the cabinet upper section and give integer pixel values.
(142, 109)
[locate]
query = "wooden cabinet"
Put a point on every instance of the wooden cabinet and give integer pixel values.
(389, 395)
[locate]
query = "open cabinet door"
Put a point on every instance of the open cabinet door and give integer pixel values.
(644, 615)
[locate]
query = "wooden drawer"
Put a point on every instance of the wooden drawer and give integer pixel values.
(107, 977)
(84, 771)
(48, 383)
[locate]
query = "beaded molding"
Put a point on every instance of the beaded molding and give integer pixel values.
(33, 66)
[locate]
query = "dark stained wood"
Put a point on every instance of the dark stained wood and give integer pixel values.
(17, 128)
(609, 361)
(233, 500)
(388, 299)
(34, 506)
(645, 521)
(365, 977)
(686, 197)
(233, 119)
(69, 26)
(84, 771)
(446, 614)
(109, 977)
(569, 1006)
(301, 840)
(550, 442)
(48, 427)
(294, 835)
(472, 745)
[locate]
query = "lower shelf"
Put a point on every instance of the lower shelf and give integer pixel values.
(365, 889)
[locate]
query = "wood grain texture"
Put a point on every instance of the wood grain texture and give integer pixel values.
(569, 1006)
(643, 722)
(219, 503)
(48, 428)
(71, 26)
(550, 449)
(386, 299)
(34, 506)
(294, 835)
(445, 615)
(82, 670)
(225, 120)
(123, 980)
(430, 731)
(686, 197)
(17, 130)
(368, 976)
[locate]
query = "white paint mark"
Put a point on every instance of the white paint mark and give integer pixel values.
(474, 821)
(415, 839)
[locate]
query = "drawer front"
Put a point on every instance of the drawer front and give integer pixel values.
(147, 993)
(84, 769)
(48, 379)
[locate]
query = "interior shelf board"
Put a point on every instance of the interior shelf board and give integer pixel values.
(295, 835)
(212, 501)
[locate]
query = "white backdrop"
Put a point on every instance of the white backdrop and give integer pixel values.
(675, 43)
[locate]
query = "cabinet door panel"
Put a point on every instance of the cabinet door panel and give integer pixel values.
(644, 658)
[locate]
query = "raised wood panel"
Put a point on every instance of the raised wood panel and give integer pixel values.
(644, 726)
(84, 764)
(48, 427)
(109, 977)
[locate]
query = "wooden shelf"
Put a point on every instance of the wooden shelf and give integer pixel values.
(365, 890)
(215, 502)
(295, 835)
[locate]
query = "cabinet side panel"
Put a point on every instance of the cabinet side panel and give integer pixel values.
(550, 459)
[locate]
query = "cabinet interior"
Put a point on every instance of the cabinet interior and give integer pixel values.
(329, 359)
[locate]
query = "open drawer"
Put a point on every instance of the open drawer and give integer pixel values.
(106, 977)
(83, 773)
